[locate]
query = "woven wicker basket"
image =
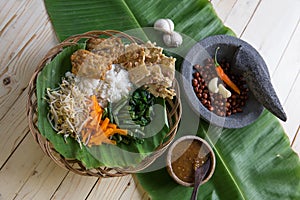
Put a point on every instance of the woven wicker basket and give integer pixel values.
(173, 112)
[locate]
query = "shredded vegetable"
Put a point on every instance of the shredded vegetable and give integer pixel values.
(97, 131)
(68, 109)
(74, 114)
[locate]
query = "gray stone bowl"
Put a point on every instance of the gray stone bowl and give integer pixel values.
(229, 46)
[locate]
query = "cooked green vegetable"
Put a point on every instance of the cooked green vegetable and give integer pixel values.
(141, 103)
(119, 113)
(133, 115)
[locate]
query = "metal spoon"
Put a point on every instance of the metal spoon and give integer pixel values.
(200, 173)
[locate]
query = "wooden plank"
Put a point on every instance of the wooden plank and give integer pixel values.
(285, 79)
(292, 109)
(74, 187)
(109, 188)
(14, 40)
(8, 12)
(13, 97)
(13, 129)
(34, 185)
(43, 182)
(288, 67)
(28, 50)
(19, 167)
(134, 190)
(240, 15)
(270, 26)
(223, 7)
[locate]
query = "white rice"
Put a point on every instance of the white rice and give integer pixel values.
(84, 84)
(115, 86)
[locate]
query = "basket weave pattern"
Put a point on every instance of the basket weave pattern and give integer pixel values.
(173, 113)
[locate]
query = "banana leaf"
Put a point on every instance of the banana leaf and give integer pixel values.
(255, 162)
(193, 18)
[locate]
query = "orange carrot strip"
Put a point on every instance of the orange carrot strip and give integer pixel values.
(96, 106)
(120, 131)
(97, 139)
(93, 124)
(108, 141)
(84, 135)
(104, 124)
(101, 139)
(109, 132)
(111, 125)
(98, 131)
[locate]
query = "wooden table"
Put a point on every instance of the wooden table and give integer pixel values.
(26, 34)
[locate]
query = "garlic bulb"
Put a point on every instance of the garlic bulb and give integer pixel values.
(164, 25)
(213, 85)
(173, 39)
(224, 92)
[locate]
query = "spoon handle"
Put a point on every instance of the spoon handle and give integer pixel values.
(195, 192)
(200, 173)
(196, 184)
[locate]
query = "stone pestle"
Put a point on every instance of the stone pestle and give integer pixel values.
(252, 66)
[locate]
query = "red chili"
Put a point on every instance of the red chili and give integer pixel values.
(223, 76)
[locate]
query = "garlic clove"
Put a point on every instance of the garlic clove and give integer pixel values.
(224, 92)
(171, 25)
(173, 39)
(213, 85)
(164, 25)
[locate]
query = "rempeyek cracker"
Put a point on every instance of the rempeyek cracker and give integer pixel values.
(86, 63)
(146, 64)
(134, 56)
(110, 48)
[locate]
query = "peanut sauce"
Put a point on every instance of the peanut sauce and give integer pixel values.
(184, 163)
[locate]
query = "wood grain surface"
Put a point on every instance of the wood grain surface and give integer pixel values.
(26, 34)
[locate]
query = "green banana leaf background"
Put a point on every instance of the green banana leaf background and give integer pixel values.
(254, 162)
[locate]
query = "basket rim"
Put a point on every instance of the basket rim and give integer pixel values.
(46, 145)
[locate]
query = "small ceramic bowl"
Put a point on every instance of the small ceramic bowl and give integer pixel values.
(204, 49)
(182, 144)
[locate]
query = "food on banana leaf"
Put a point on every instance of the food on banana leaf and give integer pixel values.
(108, 77)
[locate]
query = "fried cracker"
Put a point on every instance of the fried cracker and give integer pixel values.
(86, 63)
(152, 53)
(134, 56)
(109, 48)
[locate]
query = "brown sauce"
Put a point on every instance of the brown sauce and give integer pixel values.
(185, 156)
